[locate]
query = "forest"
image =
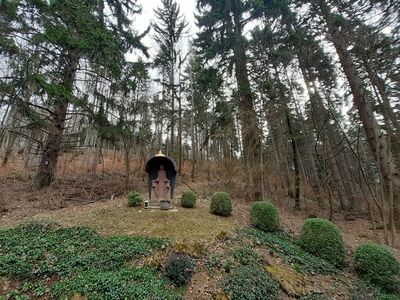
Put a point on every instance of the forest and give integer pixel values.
(293, 101)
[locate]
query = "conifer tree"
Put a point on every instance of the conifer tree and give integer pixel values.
(169, 28)
(222, 39)
(67, 37)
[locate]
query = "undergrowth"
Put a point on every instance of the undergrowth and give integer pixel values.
(79, 260)
(364, 290)
(125, 283)
(283, 245)
(249, 283)
(245, 256)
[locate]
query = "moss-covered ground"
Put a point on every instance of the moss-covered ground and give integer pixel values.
(116, 218)
(115, 252)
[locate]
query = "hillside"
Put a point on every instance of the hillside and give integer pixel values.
(64, 244)
(199, 149)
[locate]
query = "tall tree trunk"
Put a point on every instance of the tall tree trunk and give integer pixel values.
(193, 128)
(250, 130)
(179, 98)
(51, 151)
(322, 116)
(127, 148)
(295, 161)
(380, 85)
(375, 137)
(8, 136)
(9, 148)
(172, 94)
(392, 122)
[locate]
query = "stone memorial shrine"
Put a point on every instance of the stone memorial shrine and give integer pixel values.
(161, 182)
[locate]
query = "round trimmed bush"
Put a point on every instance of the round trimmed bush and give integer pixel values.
(221, 204)
(179, 269)
(322, 238)
(249, 282)
(265, 216)
(188, 199)
(134, 199)
(376, 264)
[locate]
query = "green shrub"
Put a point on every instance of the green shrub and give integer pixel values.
(265, 216)
(179, 268)
(221, 204)
(134, 199)
(249, 283)
(188, 199)
(376, 264)
(322, 238)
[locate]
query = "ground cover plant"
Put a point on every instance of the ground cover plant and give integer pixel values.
(285, 246)
(245, 256)
(362, 289)
(78, 260)
(244, 276)
(249, 282)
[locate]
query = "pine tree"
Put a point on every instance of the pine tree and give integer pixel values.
(169, 28)
(68, 35)
(222, 39)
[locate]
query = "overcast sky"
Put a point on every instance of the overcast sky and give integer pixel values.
(143, 21)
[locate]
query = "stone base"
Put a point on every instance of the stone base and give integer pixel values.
(155, 204)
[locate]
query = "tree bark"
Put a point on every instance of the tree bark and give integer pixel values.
(251, 142)
(172, 91)
(248, 116)
(52, 148)
(295, 162)
(375, 137)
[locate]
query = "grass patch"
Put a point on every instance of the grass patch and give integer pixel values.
(284, 246)
(184, 224)
(78, 260)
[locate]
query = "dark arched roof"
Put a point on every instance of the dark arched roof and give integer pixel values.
(156, 161)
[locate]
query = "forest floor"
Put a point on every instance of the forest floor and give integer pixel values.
(99, 203)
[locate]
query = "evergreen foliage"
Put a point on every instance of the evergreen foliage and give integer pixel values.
(322, 238)
(245, 256)
(134, 199)
(265, 216)
(221, 204)
(283, 245)
(376, 264)
(126, 283)
(64, 36)
(188, 199)
(249, 283)
(79, 261)
(179, 268)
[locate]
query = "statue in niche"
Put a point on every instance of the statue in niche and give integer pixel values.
(160, 185)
